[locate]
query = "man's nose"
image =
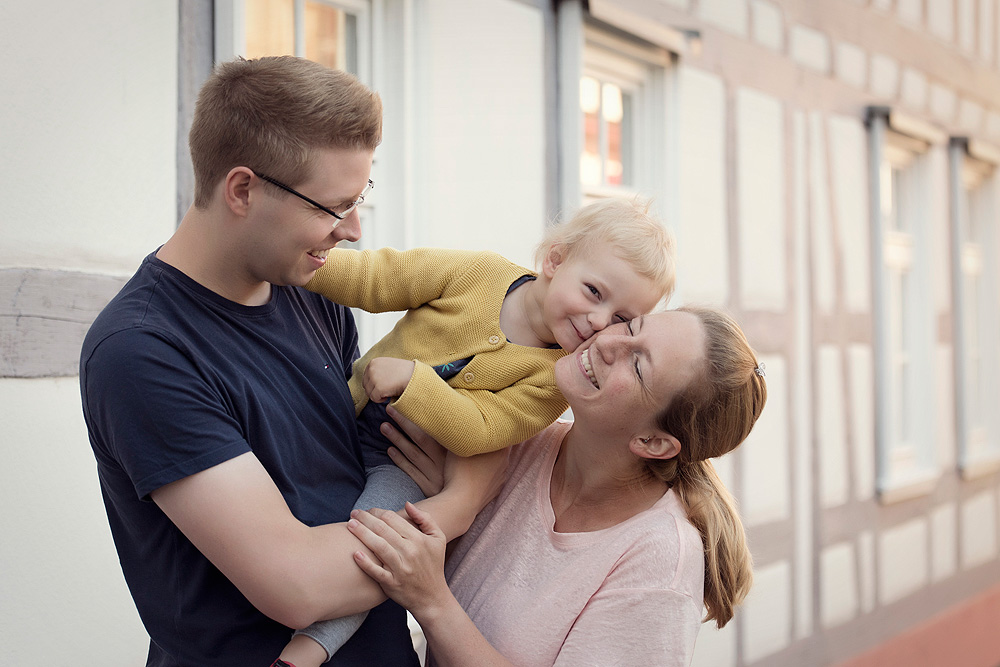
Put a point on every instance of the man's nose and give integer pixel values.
(349, 229)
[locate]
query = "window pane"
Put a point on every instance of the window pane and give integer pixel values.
(613, 113)
(330, 36)
(590, 105)
(270, 28)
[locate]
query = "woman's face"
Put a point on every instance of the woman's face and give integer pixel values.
(622, 377)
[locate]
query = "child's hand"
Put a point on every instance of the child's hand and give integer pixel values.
(386, 377)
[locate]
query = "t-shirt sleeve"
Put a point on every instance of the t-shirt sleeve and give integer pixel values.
(348, 331)
(153, 413)
(644, 613)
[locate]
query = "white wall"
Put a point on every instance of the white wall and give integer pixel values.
(87, 181)
(64, 598)
(479, 130)
(87, 132)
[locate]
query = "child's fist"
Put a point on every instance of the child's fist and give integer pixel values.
(386, 377)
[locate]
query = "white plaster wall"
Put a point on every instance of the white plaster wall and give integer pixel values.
(848, 155)
(810, 48)
(64, 597)
(89, 125)
(838, 585)
(941, 18)
(944, 541)
(979, 529)
(479, 129)
(823, 247)
(832, 426)
(765, 470)
(767, 612)
(760, 176)
(730, 15)
(702, 230)
(903, 567)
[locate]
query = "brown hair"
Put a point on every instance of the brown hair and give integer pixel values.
(269, 113)
(711, 417)
(628, 228)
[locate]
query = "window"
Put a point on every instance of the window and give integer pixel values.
(613, 115)
(332, 32)
(622, 106)
(905, 324)
(975, 303)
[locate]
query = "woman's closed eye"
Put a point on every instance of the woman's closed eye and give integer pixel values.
(638, 370)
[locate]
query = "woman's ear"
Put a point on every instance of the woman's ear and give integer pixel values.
(658, 445)
(553, 258)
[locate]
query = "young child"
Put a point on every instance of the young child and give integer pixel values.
(472, 360)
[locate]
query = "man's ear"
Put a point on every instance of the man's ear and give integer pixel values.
(236, 190)
(553, 258)
(657, 445)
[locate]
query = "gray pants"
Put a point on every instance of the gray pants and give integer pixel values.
(387, 487)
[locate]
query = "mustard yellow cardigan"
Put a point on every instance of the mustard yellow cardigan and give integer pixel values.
(506, 394)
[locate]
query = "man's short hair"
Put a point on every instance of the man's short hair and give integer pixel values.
(270, 113)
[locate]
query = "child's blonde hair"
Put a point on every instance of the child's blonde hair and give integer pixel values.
(627, 229)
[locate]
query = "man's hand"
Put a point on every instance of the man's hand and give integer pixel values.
(386, 377)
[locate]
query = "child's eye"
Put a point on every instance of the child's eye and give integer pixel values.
(593, 290)
(638, 371)
(629, 325)
(621, 318)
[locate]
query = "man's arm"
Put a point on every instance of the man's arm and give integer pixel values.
(295, 574)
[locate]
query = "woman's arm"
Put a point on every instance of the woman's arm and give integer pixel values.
(412, 573)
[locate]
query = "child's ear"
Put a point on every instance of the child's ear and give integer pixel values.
(553, 258)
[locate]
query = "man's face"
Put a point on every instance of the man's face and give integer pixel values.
(291, 237)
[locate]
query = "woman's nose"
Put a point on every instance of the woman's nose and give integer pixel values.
(610, 344)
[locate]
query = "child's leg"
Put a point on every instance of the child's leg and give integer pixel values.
(386, 487)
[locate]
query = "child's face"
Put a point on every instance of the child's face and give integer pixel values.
(589, 291)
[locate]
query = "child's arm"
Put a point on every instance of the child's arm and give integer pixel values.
(388, 279)
(474, 421)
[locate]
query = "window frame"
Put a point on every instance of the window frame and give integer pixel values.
(591, 47)
(904, 318)
(975, 173)
(230, 30)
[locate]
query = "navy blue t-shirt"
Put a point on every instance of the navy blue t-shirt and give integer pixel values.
(176, 379)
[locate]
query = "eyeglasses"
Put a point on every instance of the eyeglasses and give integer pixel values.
(339, 212)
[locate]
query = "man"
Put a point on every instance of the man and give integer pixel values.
(215, 389)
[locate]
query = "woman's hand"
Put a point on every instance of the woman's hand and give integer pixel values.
(411, 571)
(416, 453)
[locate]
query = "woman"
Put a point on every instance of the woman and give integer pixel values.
(612, 532)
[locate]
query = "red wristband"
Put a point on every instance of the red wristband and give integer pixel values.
(281, 663)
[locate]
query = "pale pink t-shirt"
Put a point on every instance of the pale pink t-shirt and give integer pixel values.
(626, 595)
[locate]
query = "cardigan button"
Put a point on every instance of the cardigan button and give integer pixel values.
(469, 377)
(494, 340)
